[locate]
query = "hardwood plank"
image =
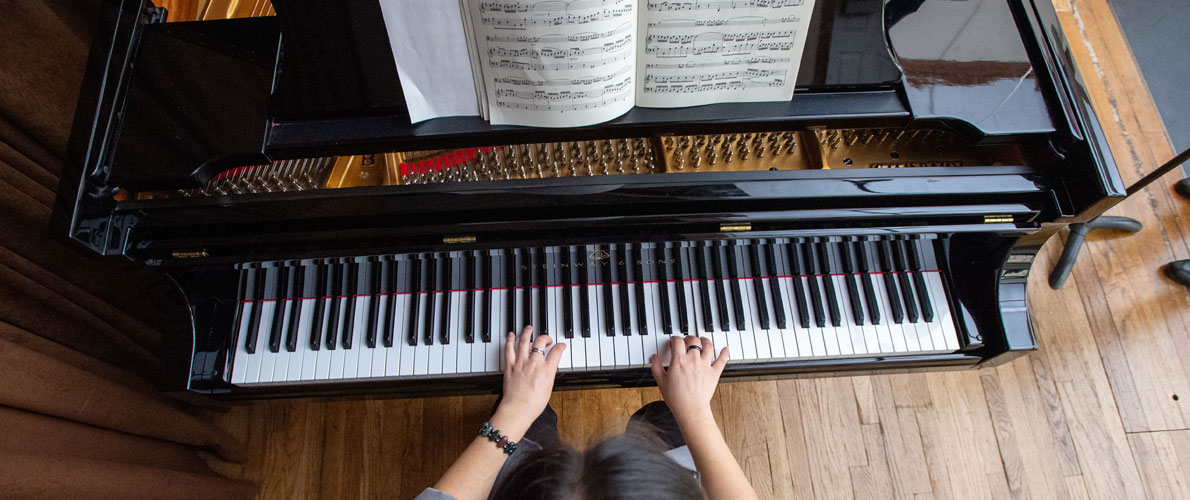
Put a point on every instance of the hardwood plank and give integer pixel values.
(873, 480)
(1164, 460)
(902, 443)
(797, 452)
(755, 413)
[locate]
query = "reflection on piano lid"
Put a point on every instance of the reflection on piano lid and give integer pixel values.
(802, 150)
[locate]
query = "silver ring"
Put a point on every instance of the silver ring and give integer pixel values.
(537, 349)
(693, 348)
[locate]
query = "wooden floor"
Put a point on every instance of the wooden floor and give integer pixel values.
(1101, 411)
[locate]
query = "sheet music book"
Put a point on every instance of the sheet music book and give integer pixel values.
(556, 63)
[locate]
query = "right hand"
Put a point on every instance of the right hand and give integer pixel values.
(692, 377)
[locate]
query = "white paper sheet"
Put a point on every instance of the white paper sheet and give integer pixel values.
(430, 51)
(549, 63)
(696, 52)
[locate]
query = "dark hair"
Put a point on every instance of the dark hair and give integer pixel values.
(628, 466)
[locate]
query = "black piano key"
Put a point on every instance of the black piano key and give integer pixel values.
(374, 273)
(757, 273)
(679, 262)
(663, 276)
(737, 295)
(607, 276)
(720, 277)
(642, 319)
(799, 292)
(890, 282)
(857, 309)
(702, 273)
(487, 309)
(470, 261)
(527, 284)
(412, 333)
(336, 304)
(542, 269)
(511, 273)
(811, 267)
(584, 293)
(912, 247)
(865, 276)
(353, 289)
(317, 327)
(450, 267)
(278, 291)
(898, 261)
(774, 274)
(437, 268)
(245, 304)
(294, 306)
(390, 279)
(256, 296)
(567, 302)
(622, 268)
(828, 284)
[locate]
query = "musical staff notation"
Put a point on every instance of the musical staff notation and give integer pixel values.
(724, 62)
(713, 86)
(566, 95)
(561, 53)
(557, 82)
(570, 64)
(745, 75)
(558, 19)
(718, 5)
(562, 37)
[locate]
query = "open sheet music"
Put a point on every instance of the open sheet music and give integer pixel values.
(557, 63)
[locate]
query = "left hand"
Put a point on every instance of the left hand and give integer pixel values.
(528, 377)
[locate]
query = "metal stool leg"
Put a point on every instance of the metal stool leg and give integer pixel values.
(1074, 243)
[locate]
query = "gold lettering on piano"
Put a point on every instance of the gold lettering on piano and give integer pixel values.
(455, 240)
(599, 255)
(997, 219)
(190, 254)
(735, 227)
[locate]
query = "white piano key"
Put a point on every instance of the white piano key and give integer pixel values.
(239, 365)
(777, 348)
(759, 336)
(337, 354)
(607, 345)
(558, 326)
(421, 352)
(895, 331)
(359, 365)
(392, 358)
(593, 315)
(434, 354)
(309, 358)
(912, 342)
(619, 341)
(735, 341)
(640, 347)
(856, 340)
(285, 358)
(495, 349)
(479, 314)
(379, 353)
(692, 318)
(869, 331)
(653, 316)
(925, 342)
(458, 344)
(322, 370)
(718, 335)
(265, 359)
(843, 331)
(577, 345)
(945, 326)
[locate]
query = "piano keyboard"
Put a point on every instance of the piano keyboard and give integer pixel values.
(443, 314)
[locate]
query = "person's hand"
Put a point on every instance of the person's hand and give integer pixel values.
(528, 377)
(690, 382)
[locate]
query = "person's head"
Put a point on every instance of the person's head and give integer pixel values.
(625, 467)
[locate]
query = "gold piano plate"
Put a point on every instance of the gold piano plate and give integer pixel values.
(735, 152)
(901, 148)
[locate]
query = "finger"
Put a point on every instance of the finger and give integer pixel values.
(542, 342)
(658, 370)
(509, 348)
(555, 356)
(708, 349)
(691, 341)
(525, 341)
(677, 346)
(721, 362)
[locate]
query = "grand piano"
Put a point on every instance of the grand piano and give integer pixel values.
(886, 218)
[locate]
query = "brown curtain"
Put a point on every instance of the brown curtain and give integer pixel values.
(79, 336)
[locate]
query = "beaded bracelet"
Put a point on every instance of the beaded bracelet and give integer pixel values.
(493, 435)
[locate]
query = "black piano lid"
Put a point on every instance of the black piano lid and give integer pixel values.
(335, 91)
